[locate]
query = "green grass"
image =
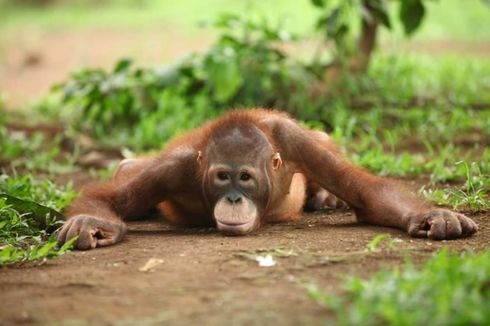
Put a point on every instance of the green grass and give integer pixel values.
(474, 194)
(426, 79)
(449, 289)
(25, 227)
(29, 188)
(45, 153)
(29, 208)
(412, 145)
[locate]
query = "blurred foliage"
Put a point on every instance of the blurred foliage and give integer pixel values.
(448, 19)
(45, 153)
(245, 68)
(249, 67)
(41, 3)
(340, 20)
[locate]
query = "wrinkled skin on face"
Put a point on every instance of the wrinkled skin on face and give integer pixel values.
(237, 181)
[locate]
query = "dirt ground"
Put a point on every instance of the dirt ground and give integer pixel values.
(207, 278)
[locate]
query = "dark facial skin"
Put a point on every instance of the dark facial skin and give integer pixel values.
(236, 182)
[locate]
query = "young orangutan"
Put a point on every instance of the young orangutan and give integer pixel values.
(242, 170)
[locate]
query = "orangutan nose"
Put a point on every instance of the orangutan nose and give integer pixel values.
(234, 198)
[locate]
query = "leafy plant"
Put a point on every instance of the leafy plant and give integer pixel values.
(449, 289)
(25, 225)
(145, 107)
(45, 153)
(26, 187)
(339, 20)
(382, 240)
(474, 194)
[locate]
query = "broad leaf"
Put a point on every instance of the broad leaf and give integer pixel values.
(333, 22)
(379, 10)
(318, 3)
(42, 215)
(122, 65)
(226, 79)
(411, 14)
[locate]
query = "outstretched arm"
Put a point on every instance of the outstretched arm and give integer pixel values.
(96, 217)
(375, 200)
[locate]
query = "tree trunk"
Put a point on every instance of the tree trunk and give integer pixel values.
(366, 42)
(359, 63)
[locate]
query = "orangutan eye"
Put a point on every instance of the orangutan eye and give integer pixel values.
(223, 176)
(245, 177)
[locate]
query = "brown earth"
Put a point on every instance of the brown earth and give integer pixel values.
(207, 278)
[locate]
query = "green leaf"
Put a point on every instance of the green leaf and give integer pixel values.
(318, 3)
(378, 9)
(411, 14)
(39, 213)
(67, 245)
(122, 65)
(6, 254)
(227, 20)
(44, 250)
(333, 22)
(373, 245)
(226, 79)
(321, 22)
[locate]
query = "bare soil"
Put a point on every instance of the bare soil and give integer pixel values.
(207, 278)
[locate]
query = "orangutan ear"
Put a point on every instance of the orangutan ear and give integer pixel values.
(199, 157)
(276, 161)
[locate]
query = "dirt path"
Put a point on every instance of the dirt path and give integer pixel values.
(204, 278)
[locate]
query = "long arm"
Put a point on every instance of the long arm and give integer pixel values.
(375, 200)
(96, 217)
